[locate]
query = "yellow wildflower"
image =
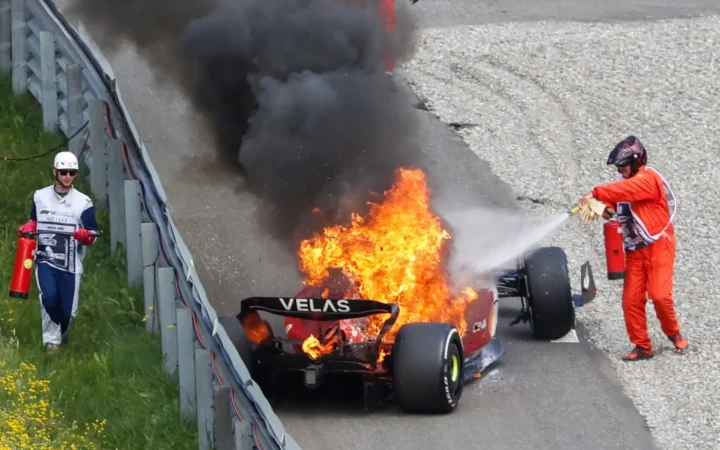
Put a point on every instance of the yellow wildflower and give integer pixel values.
(27, 418)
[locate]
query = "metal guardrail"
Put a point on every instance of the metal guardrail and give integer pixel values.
(64, 70)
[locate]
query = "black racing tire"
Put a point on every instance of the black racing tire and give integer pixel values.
(550, 299)
(240, 340)
(427, 368)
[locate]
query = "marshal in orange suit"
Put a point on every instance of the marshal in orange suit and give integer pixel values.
(644, 204)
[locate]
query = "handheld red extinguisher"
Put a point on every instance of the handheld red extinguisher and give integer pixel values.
(614, 250)
(22, 271)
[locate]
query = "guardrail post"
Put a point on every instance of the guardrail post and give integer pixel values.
(18, 44)
(48, 80)
(74, 107)
(5, 33)
(133, 223)
(165, 282)
(150, 254)
(186, 363)
(98, 152)
(243, 435)
(204, 396)
(223, 418)
(116, 191)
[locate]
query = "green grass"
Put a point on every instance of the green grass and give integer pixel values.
(111, 368)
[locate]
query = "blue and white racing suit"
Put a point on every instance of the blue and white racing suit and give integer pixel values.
(59, 257)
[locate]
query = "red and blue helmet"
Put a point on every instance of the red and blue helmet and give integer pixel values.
(628, 151)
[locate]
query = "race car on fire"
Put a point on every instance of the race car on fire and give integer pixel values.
(377, 303)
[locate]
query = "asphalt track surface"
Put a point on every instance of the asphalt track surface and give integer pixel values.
(543, 395)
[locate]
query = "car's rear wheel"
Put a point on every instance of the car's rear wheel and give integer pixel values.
(552, 311)
(427, 366)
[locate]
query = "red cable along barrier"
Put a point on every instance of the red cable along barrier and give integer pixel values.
(236, 410)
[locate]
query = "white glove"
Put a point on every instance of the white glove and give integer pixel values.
(587, 215)
(591, 210)
(596, 206)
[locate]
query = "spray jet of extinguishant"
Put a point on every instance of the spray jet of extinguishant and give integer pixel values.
(485, 240)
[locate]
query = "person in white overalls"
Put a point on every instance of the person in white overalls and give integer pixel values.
(63, 217)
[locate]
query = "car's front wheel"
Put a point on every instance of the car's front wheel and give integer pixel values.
(550, 300)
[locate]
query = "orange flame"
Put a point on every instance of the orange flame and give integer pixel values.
(314, 349)
(381, 357)
(393, 256)
(256, 329)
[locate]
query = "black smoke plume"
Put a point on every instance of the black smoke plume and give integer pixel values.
(293, 92)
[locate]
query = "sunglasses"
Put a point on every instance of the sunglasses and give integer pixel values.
(72, 173)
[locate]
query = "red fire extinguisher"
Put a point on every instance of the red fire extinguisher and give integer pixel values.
(614, 250)
(22, 272)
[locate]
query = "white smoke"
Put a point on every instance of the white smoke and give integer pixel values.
(485, 240)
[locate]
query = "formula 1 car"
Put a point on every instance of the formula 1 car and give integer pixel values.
(425, 367)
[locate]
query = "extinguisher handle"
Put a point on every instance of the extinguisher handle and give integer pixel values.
(32, 234)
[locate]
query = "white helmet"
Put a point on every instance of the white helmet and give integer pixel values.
(65, 161)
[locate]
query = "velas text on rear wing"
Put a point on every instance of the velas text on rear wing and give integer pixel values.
(315, 305)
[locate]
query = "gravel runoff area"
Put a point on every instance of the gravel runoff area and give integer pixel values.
(544, 103)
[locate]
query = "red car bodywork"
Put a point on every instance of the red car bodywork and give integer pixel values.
(480, 317)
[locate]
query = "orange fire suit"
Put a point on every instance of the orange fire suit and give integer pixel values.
(645, 207)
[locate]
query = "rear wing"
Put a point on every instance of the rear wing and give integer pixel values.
(317, 308)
